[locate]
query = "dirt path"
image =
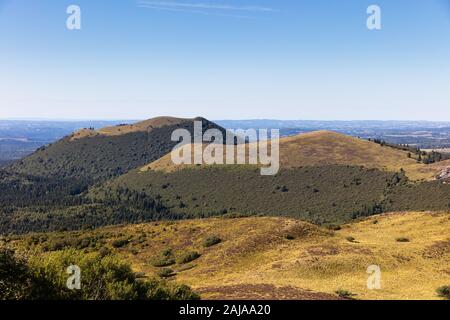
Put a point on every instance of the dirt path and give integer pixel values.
(261, 292)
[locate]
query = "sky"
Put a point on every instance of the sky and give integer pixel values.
(225, 59)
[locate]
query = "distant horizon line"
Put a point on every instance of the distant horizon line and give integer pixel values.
(33, 119)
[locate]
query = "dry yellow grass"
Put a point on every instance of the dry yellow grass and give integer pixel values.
(326, 147)
(319, 261)
(256, 260)
(142, 126)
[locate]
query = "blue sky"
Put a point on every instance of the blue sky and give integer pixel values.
(225, 59)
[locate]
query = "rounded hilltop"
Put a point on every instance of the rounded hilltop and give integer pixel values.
(325, 147)
(140, 126)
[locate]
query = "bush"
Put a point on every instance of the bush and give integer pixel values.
(211, 241)
(103, 278)
(104, 251)
(164, 259)
(289, 237)
(188, 257)
(15, 277)
(119, 243)
(56, 245)
(345, 294)
(444, 292)
(350, 239)
(402, 239)
(334, 227)
(166, 273)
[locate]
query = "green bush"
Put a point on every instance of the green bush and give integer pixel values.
(164, 259)
(334, 227)
(444, 292)
(166, 273)
(15, 280)
(402, 239)
(102, 278)
(188, 257)
(211, 241)
(119, 243)
(345, 294)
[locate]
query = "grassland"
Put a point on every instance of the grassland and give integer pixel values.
(321, 148)
(142, 126)
(274, 257)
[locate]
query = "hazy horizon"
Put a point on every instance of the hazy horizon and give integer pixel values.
(37, 119)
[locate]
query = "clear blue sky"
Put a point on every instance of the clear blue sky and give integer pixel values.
(225, 59)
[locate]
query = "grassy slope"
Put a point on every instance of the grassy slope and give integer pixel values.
(142, 126)
(255, 260)
(326, 147)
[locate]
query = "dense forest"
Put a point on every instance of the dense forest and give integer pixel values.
(322, 195)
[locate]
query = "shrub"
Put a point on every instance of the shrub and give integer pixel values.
(119, 243)
(334, 227)
(164, 259)
(103, 278)
(56, 245)
(14, 275)
(402, 239)
(289, 237)
(104, 251)
(444, 292)
(211, 241)
(345, 294)
(350, 239)
(188, 257)
(166, 273)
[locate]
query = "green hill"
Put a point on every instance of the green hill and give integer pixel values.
(325, 178)
(95, 156)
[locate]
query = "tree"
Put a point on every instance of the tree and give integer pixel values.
(103, 277)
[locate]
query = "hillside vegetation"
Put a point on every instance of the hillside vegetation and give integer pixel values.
(101, 155)
(321, 148)
(275, 257)
(141, 126)
(92, 181)
(326, 194)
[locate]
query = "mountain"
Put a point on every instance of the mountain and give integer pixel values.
(93, 156)
(321, 148)
(325, 178)
(46, 190)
